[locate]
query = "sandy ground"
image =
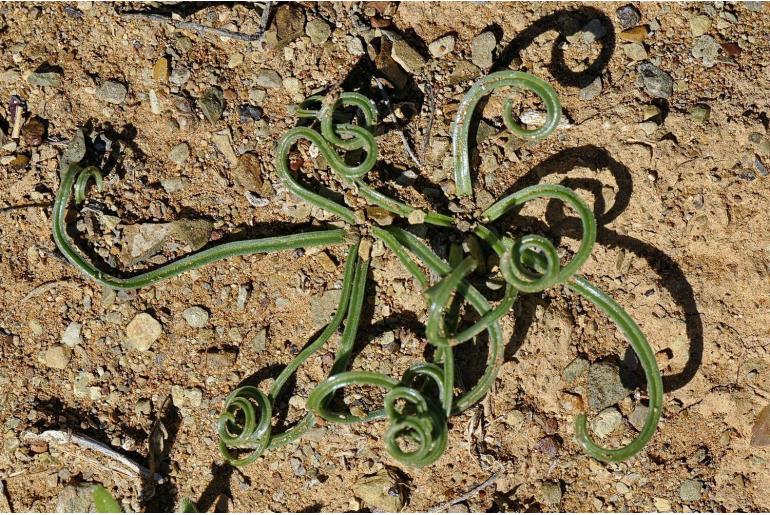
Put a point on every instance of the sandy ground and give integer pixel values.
(682, 245)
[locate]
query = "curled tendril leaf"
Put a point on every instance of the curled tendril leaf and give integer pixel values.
(419, 405)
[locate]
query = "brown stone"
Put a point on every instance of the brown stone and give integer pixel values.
(635, 35)
(160, 70)
(289, 23)
(33, 132)
(247, 173)
(760, 433)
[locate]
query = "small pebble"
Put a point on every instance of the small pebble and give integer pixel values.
(628, 16)
(760, 433)
(71, 336)
(575, 369)
(406, 56)
(112, 92)
(442, 46)
(179, 75)
(593, 30)
(196, 317)
(33, 132)
(235, 60)
(259, 342)
(160, 71)
(699, 25)
(707, 50)
(212, 104)
(551, 493)
(638, 417)
(635, 35)
(179, 153)
(650, 111)
(606, 421)
(318, 31)
(656, 82)
(50, 79)
(142, 332)
(700, 113)
(268, 79)
(691, 490)
(605, 386)
(592, 90)
(662, 505)
(247, 173)
(355, 47)
(482, 48)
(57, 357)
(635, 51)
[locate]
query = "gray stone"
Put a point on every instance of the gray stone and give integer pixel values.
(551, 493)
(192, 397)
(406, 56)
(179, 153)
(575, 369)
(635, 51)
(485, 131)
(112, 92)
(729, 16)
(81, 387)
(355, 46)
(292, 85)
(638, 417)
(462, 72)
(45, 79)
(700, 113)
(76, 149)
(754, 6)
(482, 48)
(324, 305)
(268, 79)
(605, 387)
(57, 357)
(706, 49)
(628, 16)
(691, 490)
(606, 421)
(381, 491)
(179, 75)
(442, 46)
(142, 332)
(259, 342)
(71, 335)
(174, 184)
(196, 317)
(212, 104)
(592, 90)
(318, 31)
(656, 82)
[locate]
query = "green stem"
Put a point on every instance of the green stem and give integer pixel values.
(482, 88)
(187, 263)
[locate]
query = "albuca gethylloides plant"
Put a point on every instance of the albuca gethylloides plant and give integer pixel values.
(419, 404)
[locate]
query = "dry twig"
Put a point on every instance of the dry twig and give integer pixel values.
(431, 115)
(201, 29)
(467, 495)
(63, 440)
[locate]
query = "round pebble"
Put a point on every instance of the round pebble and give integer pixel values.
(196, 316)
(142, 332)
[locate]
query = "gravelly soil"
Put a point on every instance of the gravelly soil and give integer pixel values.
(682, 245)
